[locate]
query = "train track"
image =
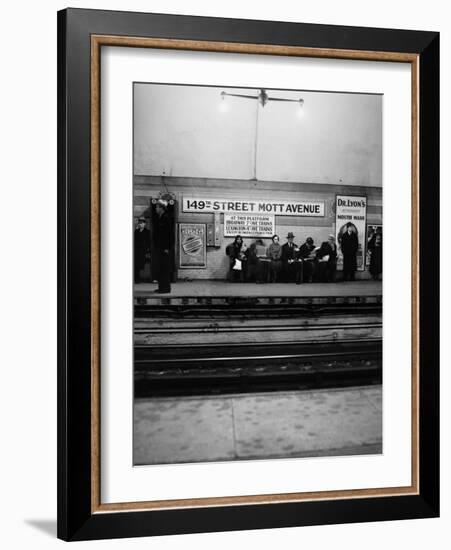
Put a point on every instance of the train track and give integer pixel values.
(207, 369)
(245, 345)
(245, 311)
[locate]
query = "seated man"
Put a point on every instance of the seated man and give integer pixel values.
(326, 260)
(307, 255)
(274, 253)
(257, 262)
(263, 262)
(291, 264)
(252, 262)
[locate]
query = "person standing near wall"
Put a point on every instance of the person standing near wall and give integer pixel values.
(163, 248)
(375, 248)
(141, 247)
(349, 247)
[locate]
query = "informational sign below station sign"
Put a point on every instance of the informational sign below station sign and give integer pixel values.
(248, 225)
(272, 207)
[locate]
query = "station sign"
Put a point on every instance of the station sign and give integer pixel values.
(258, 206)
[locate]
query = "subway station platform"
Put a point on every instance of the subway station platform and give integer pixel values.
(212, 291)
(289, 424)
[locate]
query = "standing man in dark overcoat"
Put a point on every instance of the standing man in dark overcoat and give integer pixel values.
(163, 247)
(141, 247)
(349, 247)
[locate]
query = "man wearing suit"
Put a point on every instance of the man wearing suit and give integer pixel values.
(326, 259)
(291, 265)
(141, 247)
(163, 248)
(349, 247)
(307, 255)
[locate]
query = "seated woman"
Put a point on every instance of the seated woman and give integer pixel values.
(252, 262)
(326, 258)
(274, 253)
(237, 258)
(257, 262)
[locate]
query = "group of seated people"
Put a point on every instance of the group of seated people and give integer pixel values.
(282, 263)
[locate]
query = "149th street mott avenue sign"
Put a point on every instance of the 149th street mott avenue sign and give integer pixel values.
(257, 206)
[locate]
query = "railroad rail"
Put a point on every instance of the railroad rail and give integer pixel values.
(206, 369)
(222, 302)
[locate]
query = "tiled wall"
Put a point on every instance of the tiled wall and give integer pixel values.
(146, 187)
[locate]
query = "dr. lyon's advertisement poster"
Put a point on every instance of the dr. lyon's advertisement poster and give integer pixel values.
(351, 211)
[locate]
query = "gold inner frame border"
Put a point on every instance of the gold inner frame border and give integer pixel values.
(97, 41)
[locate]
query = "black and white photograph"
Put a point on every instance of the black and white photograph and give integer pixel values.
(257, 234)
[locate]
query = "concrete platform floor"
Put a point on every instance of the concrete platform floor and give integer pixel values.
(226, 289)
(344, 421)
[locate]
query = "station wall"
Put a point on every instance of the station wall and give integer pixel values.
(182, 131)
(147, 187)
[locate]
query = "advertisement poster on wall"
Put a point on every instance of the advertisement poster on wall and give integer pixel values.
(192, 245)
(351, 212)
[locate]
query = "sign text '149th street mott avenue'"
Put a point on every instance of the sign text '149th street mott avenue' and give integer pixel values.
(279, 208)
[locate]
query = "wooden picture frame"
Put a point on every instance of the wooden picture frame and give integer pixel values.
(81, 35)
